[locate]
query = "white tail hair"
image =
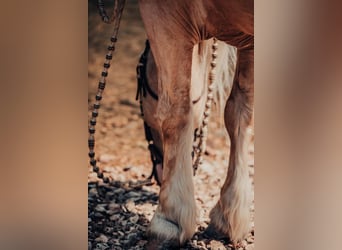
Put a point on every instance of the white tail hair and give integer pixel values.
(225, 69)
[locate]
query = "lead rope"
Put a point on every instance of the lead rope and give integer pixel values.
(103, 13)
(202, 133)
(116, 17)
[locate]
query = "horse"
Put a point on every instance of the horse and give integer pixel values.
(176, 29)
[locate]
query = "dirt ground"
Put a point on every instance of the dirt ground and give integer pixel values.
(118, 214)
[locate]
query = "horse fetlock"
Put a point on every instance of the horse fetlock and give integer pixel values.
(163, 228)
(231, 219)
(169, 231)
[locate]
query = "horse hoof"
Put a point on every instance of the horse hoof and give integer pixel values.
(212, 233)
(160, 244)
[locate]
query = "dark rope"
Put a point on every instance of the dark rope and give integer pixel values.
(117, 12)
(118, 4)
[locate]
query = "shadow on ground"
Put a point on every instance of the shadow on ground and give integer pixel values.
(114, 220)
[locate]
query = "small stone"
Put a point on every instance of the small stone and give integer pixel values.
(133, 194)
(100, 208)
(101, 246)
(92, 191)
(102, 238)
(216, 245)
(116, 242)
(142, 228)
(119, 191)
(114, 207)
(98, 215)
(115, 217)
(130, 205)
(125, 243)
(134, 219)
(92, 177)
(108, 169)
(142, 242)
(108, 230)
(105, 158)
(109, 195)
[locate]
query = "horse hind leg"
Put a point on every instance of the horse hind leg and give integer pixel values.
(231, 215)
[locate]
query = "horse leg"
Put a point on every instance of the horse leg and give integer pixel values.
(231, 215)
(175, 218)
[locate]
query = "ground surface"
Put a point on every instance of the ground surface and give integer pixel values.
(118, 214)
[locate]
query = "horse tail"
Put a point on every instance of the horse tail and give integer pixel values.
(225, 69)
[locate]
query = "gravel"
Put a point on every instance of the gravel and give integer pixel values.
(119, 214)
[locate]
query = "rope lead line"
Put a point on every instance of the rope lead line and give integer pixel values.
(116, 18)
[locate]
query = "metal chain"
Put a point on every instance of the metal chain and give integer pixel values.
(201, 134)
(119, 5)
